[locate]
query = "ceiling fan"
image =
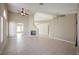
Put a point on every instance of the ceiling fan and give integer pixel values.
(23, 12)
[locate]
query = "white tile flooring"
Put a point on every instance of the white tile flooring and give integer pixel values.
(37, 46)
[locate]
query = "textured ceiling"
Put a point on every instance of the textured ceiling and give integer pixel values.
(46, 11)
(50, 8)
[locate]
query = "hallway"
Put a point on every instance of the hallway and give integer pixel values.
(37, 46)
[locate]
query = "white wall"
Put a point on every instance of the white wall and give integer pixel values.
(78, 27)
(63, 28)
(0, 29)
(43, 29)
(15, 18)
(3, 7)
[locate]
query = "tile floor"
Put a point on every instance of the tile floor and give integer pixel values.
(37, 46)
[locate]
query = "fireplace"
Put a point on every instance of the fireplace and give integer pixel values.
(33, 32)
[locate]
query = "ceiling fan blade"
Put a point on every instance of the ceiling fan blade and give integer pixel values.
(26, 13)
(23, 12)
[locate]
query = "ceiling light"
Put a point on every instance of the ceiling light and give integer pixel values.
(23, 12)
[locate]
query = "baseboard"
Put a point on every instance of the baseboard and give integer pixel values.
(56, 38)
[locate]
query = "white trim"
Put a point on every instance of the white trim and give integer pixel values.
(55, 38)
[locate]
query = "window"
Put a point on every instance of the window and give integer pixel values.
(4, 14)
(20, 27)
(19, 30)
(1, 29)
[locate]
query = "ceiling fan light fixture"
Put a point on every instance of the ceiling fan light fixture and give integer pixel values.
(23, 12)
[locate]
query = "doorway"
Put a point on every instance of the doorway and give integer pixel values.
(19, 30)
